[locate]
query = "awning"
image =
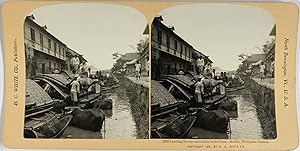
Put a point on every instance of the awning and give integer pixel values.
(257, 63)
(131, 62)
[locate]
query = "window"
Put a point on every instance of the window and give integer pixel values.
(185, 52)
(49, 43)
(55, 49)
(41, 39)
(32, 34)
(181, 50)
(159, 36)
(168, 41)
(63, 51)
(175, 46)
(59, 50)
(50, 66)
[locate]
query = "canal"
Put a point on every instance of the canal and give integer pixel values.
(244, 124)
(119, 122)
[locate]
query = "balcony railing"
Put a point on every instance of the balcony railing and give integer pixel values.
(170, 51)
(43, 49)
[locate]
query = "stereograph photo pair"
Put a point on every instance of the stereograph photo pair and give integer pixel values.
(149, 75)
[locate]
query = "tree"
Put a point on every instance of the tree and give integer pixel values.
(268, 46)
(118, 65)
(142, 45)
(243, 57)
(244, 66)
(116, 55)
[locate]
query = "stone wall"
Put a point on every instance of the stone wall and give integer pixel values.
(139, 97)
(264, 98)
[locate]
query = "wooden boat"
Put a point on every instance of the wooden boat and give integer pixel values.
(53, 128)
(162, 101)
(170, 127)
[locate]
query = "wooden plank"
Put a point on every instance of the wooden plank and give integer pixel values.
(39, 112)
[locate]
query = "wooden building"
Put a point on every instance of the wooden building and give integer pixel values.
(44, 52)
(170, 52)
(271, 53)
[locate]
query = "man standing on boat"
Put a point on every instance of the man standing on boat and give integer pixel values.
(200, 65)
(199, 89)
(75, 89)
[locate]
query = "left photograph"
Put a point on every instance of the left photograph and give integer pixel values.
(87, 72)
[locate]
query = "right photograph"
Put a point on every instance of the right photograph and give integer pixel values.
(213, 72)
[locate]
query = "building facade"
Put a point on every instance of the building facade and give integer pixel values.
(195, 55)
(170, 52)
(44, 53)
(71, 54)
(144, 57)
(270, 56)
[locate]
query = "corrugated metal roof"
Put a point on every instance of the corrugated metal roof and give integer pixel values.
(35, 94)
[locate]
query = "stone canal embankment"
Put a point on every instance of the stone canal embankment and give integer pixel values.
(263, 94)
(138, 93)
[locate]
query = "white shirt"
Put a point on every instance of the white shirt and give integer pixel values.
(272, 65)
(198, 87)
(262, 68)
(76, 61)
(137, 67)
(73, 60)
(202, 62)
(75, 86)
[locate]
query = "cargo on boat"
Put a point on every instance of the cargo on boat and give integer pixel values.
(173, 101)
(49, 109)
(167, 122)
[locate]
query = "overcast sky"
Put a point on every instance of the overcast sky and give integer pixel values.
(221, 31)
(94, 30)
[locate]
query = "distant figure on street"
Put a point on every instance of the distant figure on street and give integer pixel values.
(75, 90)
(138, 70)
(272, 67)
(181, 72)
(262, 68)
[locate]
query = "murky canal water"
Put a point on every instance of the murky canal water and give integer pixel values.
(118, 124)
(244, 123)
